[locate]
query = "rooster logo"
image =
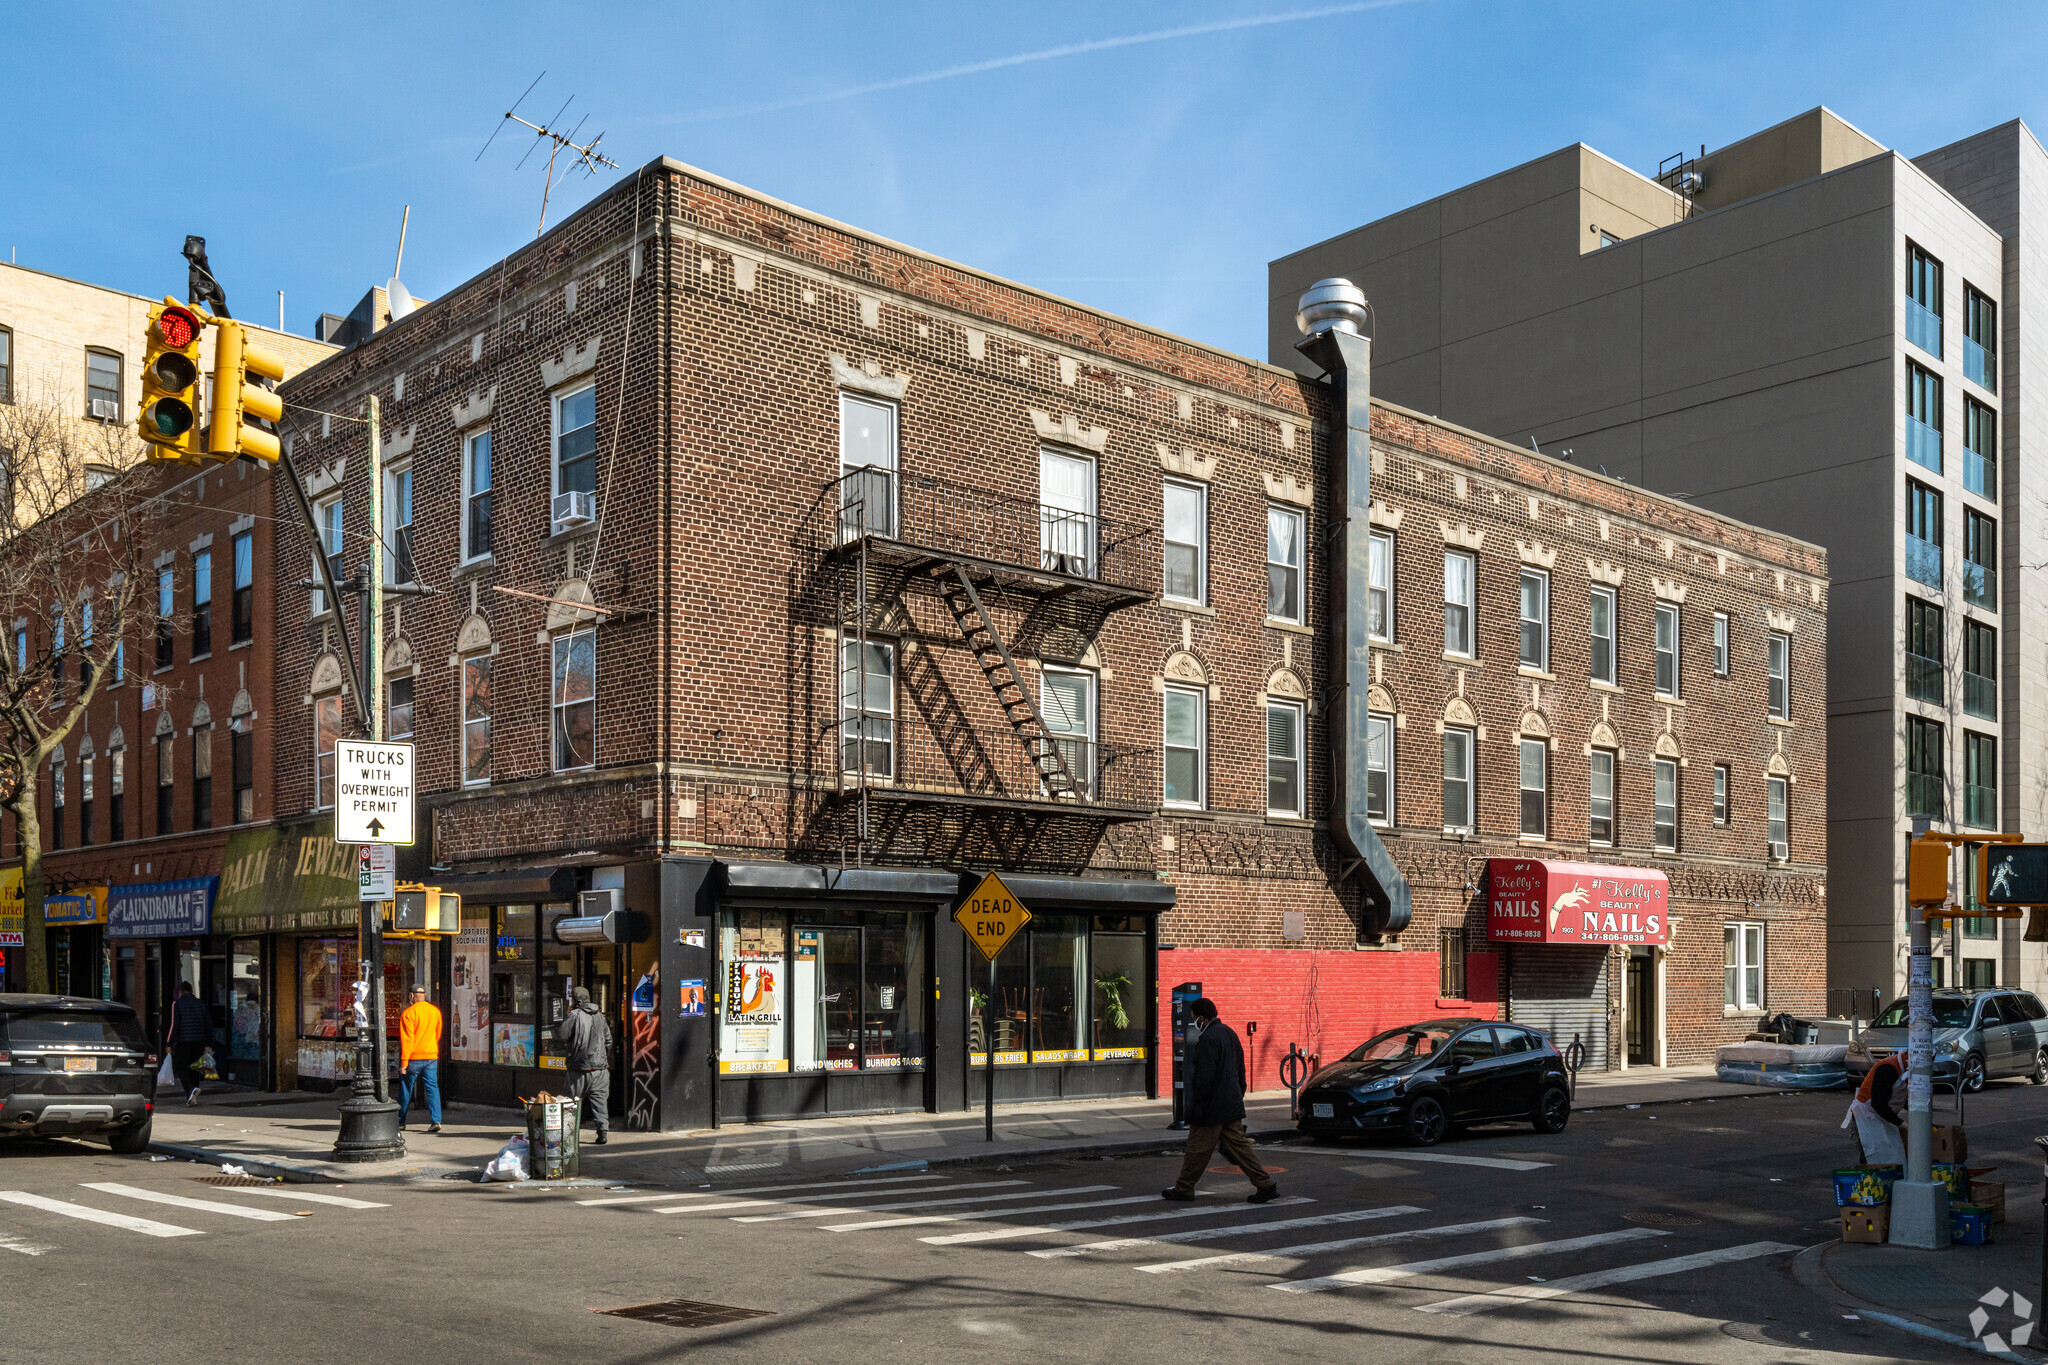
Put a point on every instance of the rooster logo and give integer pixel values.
(1571, 899)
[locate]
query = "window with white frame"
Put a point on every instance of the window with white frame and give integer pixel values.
(573, 699)
(1720, 644)
(867, 466)
(1778, 668)
(398, 562)
(867, 708)
(1379, 769)
(1535, 756)
(327, 516)
(1776, 790)
(1283, 758)
(1535, 619)
(476, 495)
(1667, 649)
(1600, 803)
(1720, 793)
(1458, 813)
(1380, 585)
(476, 720)
(1185, 517)
(1666, 804)
(1066, 513)
(1283, 563)
(1066, 698)
(1459, 573)
(326, 735)
(1742, 952)
(575, 463)
(1186, 725)
(398, 712)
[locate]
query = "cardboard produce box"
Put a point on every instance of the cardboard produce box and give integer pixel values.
(1951, 1144)
(1865, 1224)
(1989, 1195)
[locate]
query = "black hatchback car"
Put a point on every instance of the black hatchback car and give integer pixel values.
(71, 1067)
(1425, 1079)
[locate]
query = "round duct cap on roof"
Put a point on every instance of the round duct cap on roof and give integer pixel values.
(1331, 305)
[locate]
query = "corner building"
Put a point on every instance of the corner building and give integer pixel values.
(787, 579)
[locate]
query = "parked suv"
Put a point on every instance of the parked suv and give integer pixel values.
(1978, 1035)
(72, 1067)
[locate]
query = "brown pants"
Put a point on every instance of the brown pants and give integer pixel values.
(1204, 1139)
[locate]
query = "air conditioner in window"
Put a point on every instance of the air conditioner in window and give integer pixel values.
(1779, 853)
(574, 509)
(106, 410)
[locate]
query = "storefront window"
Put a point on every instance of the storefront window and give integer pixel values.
(326, 987)
(557, 979)
(406, 963)
(469, 1013)
(752, 1033)
(245, 1000)
(857, 991)
(512, 961)
(893, 993)
(1077, 994)
(1059, 988)
(1117, 953)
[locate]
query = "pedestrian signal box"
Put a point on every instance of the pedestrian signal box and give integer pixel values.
(2014, 874)
(1927, 872)
(425, 910)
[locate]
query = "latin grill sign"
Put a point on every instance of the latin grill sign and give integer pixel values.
(1531, 900)
(373, 793)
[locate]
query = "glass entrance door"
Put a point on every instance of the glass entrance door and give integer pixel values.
(245, 1013)
(1642, 1011)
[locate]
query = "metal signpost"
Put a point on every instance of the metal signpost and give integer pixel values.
(992, 918)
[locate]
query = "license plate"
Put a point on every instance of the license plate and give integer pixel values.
(1323, 1111)
(81, 1064)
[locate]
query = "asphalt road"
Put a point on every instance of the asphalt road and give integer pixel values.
(1648, 1235)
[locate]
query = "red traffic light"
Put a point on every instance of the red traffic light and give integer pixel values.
(177, 327)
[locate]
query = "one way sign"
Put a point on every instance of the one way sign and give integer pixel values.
(373, 793)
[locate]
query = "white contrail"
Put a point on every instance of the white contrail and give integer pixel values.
(1026, 58)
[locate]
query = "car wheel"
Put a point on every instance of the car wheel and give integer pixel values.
(1425, 1123)
(1973, 1073)
(2039, 1075)
(131, 1140)
(1553, 1110)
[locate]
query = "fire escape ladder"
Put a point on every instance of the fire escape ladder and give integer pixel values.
(1041, 748)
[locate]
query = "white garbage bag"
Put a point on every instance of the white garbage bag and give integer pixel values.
(165, 1075)
(1881, 1145)
(509, 1163)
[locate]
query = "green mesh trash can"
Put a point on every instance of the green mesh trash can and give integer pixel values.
(551, 1145)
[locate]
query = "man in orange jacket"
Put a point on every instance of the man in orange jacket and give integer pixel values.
(419, 1053)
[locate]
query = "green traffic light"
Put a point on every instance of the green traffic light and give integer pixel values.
(171, 417)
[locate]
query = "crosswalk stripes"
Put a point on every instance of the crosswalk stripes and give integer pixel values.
(146, 1226)
(1314, 1248)
(9, 1242)
(1216, 1234)
(298, 1194)
(832, 1198)
(672, 1195)
(1499, 1163)
(1596, 1279)
(179, 1201)
(976, 1213)
(150, 1227)
(1011, 1234)
(924, 1203)
(1387, 1274)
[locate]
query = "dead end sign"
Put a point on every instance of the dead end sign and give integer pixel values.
(373, 792)
(991, 916)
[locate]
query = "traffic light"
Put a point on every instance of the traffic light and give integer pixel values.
(1927, 872)
(238, 399)
(170, 382)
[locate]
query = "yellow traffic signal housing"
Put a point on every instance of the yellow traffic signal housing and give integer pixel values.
(1927, 872)
(170, 382)
(237, 398)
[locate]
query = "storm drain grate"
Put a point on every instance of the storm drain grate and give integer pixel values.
(684, 1313)
(233, 1180)
(1657, 1218)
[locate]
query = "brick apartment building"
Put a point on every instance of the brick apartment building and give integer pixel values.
(786, 578)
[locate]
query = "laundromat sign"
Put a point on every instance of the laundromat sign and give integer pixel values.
(1532, 900)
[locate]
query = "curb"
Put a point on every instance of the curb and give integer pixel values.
(1810, 1268)
(283, 1170)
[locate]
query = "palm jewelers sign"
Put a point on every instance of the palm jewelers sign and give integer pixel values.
(1533, 900)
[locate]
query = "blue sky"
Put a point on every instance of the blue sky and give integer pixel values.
(1144, 158)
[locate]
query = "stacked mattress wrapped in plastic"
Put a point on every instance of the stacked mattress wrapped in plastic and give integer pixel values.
(1783, 1066)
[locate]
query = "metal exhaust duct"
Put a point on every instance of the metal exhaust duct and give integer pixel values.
(1330, 316)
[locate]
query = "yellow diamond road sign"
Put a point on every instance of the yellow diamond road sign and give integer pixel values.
(991, 916)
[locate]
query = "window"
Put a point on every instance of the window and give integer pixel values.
(1923, 534)
(1186, 739)
(327, 515)
(1923, 300)
(1187, 540)
(1535, 619)
(1601, 804)
(202, 777)
(120, 663)
(166, 775)
(1667, 804)
(1980, 780)
(326, 734)
(1535, 789)
(1379, 769)
(1283, 563)
(1458, 581)
(398, 709)
(20, 652)
(1980, 670)
(242, 757)
(1980, 449)
(1720, 644)
(85, 796)
(244, 606)
(1602, 619)
(202, 604)
(1979, 974)
(1924, 670)
(1778, 670)
(57, 798)
(1608, 239)
(1775, 789)
(6, 365)
(166, 623)
(476, 720)
(574, 700)
(1720, 793)
(1742, 949)
(1667, 650)
(1458, 781)
(398, 563)
(1450, 981)
(1980, 339)
(1380, 586)
(476, 495)
(859, 986)
(57, 646)
(1980, 561)
(85, 643)
(103, 385)
(1066, 698)
(1926, 767)
(867, 467)
(576, 442)
(1283, 759)
(1066, 513)
(117, 795)
(867, 708)
(1923, 417)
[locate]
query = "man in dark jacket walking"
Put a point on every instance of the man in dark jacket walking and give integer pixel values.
(189, 1035)
(1214, 1107)
(588, 1040)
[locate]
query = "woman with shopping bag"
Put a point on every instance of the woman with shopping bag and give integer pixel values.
(1871, 1113)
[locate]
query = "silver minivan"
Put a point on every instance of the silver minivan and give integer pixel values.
(1978, 1035)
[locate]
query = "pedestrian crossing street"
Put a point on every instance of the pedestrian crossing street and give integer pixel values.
(1294, 1245)
(112, 1204)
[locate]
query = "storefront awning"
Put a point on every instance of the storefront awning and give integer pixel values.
(1534, 900)
(510, 886)
(800, 879)
(284, 879)
(1101, 895)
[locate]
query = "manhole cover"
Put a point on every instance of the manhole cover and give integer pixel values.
(232, 1180)
(1657, 1218)
(684, 1313)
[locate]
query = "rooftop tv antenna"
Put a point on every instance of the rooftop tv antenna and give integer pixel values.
(562, 147)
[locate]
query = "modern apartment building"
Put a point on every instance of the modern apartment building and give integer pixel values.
(1811, 332)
